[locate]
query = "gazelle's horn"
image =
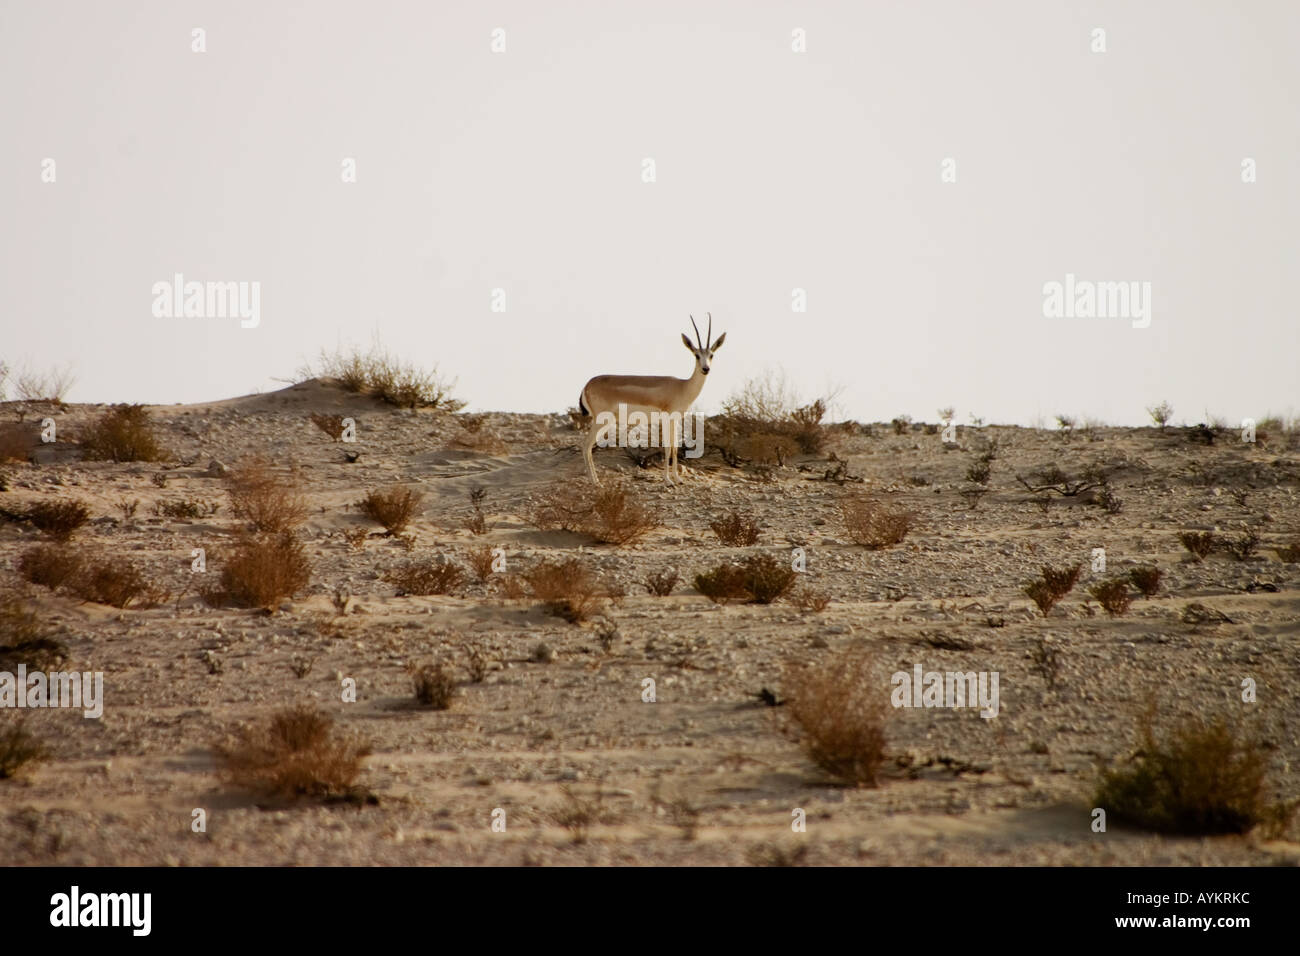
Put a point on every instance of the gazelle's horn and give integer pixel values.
(710, 329)
(697, 333)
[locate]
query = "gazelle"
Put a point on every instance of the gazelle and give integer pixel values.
(649, 394)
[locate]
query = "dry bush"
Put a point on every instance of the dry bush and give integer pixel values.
(1290, 553)
(476, 662)
(874, 525)
(1161, 414)
(51, 566)
(481, 560)
(331, 425)
(270, 503)
(434, 686)
(262, 571)
(1199, 543)
(661, 583)
(578, 814)
(123, 433)
(1113, 596)
(17, 441)
(836, 711)
(24, 639)
(44, 386)
(380, 374)
(568, 588)
(477, 523)
(355, 537)
(393, 508)
(736, 530)
(422, 578)
(295, 753)
(811, 599)
(902, 424)
(1146, 579)
(760, 579)
(59, 519)
(1054, 584)
(185, 508)
(764, 421)
(20, 750)
(103, 580)
(610, 514)
(1203, 776)
(1243, 546)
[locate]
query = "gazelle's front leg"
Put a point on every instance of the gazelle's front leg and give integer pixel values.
(586, 453)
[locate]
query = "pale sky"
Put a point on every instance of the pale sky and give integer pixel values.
(774, 170)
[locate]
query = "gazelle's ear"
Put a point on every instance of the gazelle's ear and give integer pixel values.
(718, 344)
(687, 342)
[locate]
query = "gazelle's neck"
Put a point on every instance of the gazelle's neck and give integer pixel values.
(692, 387)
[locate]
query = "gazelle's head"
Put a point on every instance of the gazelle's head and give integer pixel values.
(703, 351)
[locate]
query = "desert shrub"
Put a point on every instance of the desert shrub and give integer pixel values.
(52, 386)
(1146, 579)
(978, 472)
(1290, 553)
(764, 421)
(51, 566)
(1205, 775)
(568, 588)
(434, 686)
(1161, 414)
(17, 441)
(185, 508)
(579, 813)
(423, 578)
(123, 433)
(481, 560)
(1199, 543)
(811, 599)
(874, 525)
(20, 750)
(262, 571)
(59, 519)
(1113, 596)
(734, 529)
(297, 752)
(476, 662)
(1054, 583)
(835, 709)
(902, 424)
(393, 508)
(270, 503)
(760, 579)
(477, 523)
(380, 374)
(331, 425)
(24, 639)
(661, 583)
(116, 583)
(1112, 502)
(1243, 546)
(610, 514)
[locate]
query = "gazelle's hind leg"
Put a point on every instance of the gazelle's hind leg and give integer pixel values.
(586, 452)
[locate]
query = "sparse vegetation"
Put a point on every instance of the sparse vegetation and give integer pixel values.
(262, 571)
(378, 373)
(661, 583)
(1113, 596)
(88, 576)
(423, 578)
(481, 560)
(1054, 584)
(296, 753)
(810, 599)
(835, 710)
(610, 514)
(270, 503)
(123, 433)
(1146, 579)
(873, 525)
(393, 508)
(760, 579)
(735, 529)
(1161, 414)
(1242, 546)
(434, 686)
(567, 588)
(1199, 543)
(20, 750)
(1205, 775)
(58, 519)
(331, 425)
(24, 639)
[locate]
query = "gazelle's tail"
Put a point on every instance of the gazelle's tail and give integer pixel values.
(582, 402)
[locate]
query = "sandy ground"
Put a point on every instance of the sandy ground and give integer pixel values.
(960, 789)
